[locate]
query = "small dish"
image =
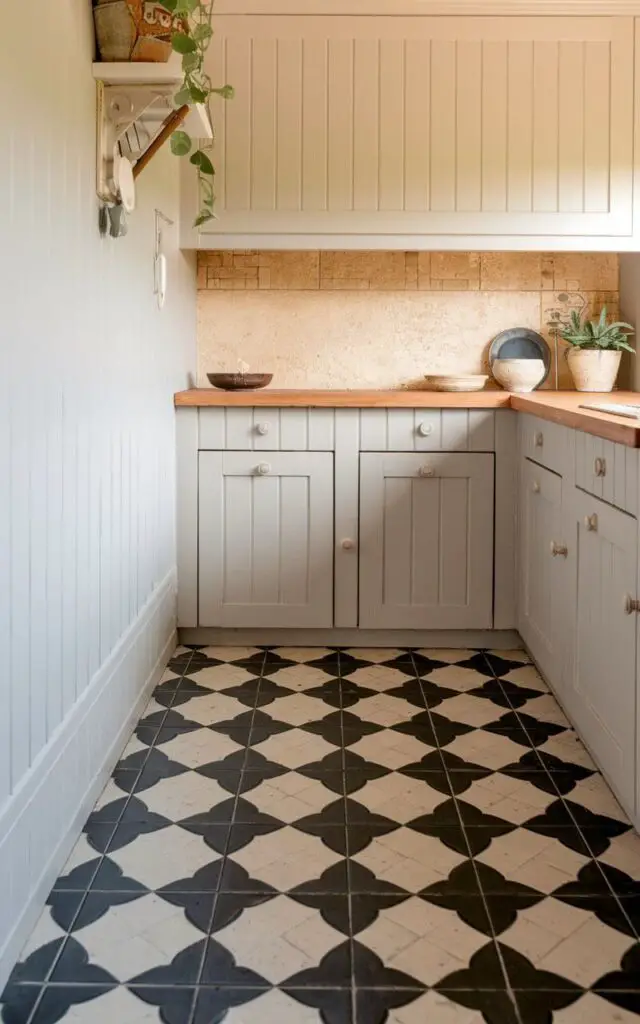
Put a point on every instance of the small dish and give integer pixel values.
(520, 343)
(449, 382)
(240, 381)
(519, 375)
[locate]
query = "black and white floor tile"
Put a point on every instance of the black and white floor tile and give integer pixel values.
(350, 837)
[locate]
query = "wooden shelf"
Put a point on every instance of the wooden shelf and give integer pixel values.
(139, 72)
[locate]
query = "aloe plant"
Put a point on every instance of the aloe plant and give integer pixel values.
(192, 33)
(598, 334)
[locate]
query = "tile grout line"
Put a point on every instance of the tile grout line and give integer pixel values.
(347, 846)
(508, 987)
(224, 856)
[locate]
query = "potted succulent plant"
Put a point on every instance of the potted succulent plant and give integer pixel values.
(596, 350)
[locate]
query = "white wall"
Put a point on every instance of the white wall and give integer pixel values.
(88, 366)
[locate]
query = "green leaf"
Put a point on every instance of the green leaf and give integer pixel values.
(226, 91)
(620, 325)
(203, 217)
(201, 33)
(205, 165)
(170, 5)
(182, 43)
(180, 144)
(182, 96)
(626, 347)
(197, 95)
(190, 62)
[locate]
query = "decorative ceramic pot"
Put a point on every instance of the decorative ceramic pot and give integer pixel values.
(594, 369)
(132, 30)
(518, 375)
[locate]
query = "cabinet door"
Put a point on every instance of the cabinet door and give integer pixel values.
(426, 541)
(546, 568)
(604, 682)
(266, 539)
(414, 126)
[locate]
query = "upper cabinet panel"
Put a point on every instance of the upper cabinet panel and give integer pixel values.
(419, 126)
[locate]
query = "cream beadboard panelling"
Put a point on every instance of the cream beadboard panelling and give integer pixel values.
(383, 319)
(89, 367)
(409, 127)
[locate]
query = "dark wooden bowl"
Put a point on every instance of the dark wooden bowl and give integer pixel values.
(240, 381)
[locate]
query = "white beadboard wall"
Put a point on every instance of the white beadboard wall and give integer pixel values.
(88, 369)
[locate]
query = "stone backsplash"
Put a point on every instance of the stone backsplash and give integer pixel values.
(384, 319)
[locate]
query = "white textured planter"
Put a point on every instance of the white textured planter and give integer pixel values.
(594, 369)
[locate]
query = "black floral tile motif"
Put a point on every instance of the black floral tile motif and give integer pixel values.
(622, 987)
(392, 858)
(433, 729)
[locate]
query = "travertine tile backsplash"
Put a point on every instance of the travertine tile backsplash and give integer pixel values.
(305, 316)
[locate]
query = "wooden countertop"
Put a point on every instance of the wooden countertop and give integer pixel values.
(355, 399)
(558, 406)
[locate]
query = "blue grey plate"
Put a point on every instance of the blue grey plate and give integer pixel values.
(521, 343)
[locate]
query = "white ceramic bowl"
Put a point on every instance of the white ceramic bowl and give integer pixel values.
(449, 382)
(518, 374)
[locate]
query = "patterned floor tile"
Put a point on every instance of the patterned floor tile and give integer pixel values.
(360, 836)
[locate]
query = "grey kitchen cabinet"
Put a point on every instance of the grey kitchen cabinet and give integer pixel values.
(603, 698)
(265, 539)
(426, 540)
(546, 569)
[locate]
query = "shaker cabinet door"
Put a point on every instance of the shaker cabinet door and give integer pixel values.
(266, 539)
(604, 681)
(419, 126)
(426, 541)
(546, 568)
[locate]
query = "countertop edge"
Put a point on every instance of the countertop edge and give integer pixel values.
(562, 407)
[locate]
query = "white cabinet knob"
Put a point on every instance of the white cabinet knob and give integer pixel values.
(535, 487)
(427, 471)
(559, 549)
(348, 544)
(591, 523)
(425, 429)
(601, 467)
(538, 440)
(262, 429)
(263, 469)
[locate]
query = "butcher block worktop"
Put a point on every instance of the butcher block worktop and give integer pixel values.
(558, 406)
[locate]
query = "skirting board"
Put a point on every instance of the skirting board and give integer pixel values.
(499, 639)
(43, 818)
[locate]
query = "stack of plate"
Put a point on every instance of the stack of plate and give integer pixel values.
(449, 382)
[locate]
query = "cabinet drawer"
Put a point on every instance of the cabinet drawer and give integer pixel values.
(545, 443)
(427, 430)
(265, 428)
(608, 471)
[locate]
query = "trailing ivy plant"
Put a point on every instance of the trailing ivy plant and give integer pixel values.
(599, 333)
(192, 33)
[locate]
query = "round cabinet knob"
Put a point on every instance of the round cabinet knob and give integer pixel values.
(559, 549)
(425, 429)
(601, 467)
(348, 544)
(427, 471)
(538, 440)
(263, 469)
(262, 429)
(535, 487)
(631, 605)
(591, 523)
